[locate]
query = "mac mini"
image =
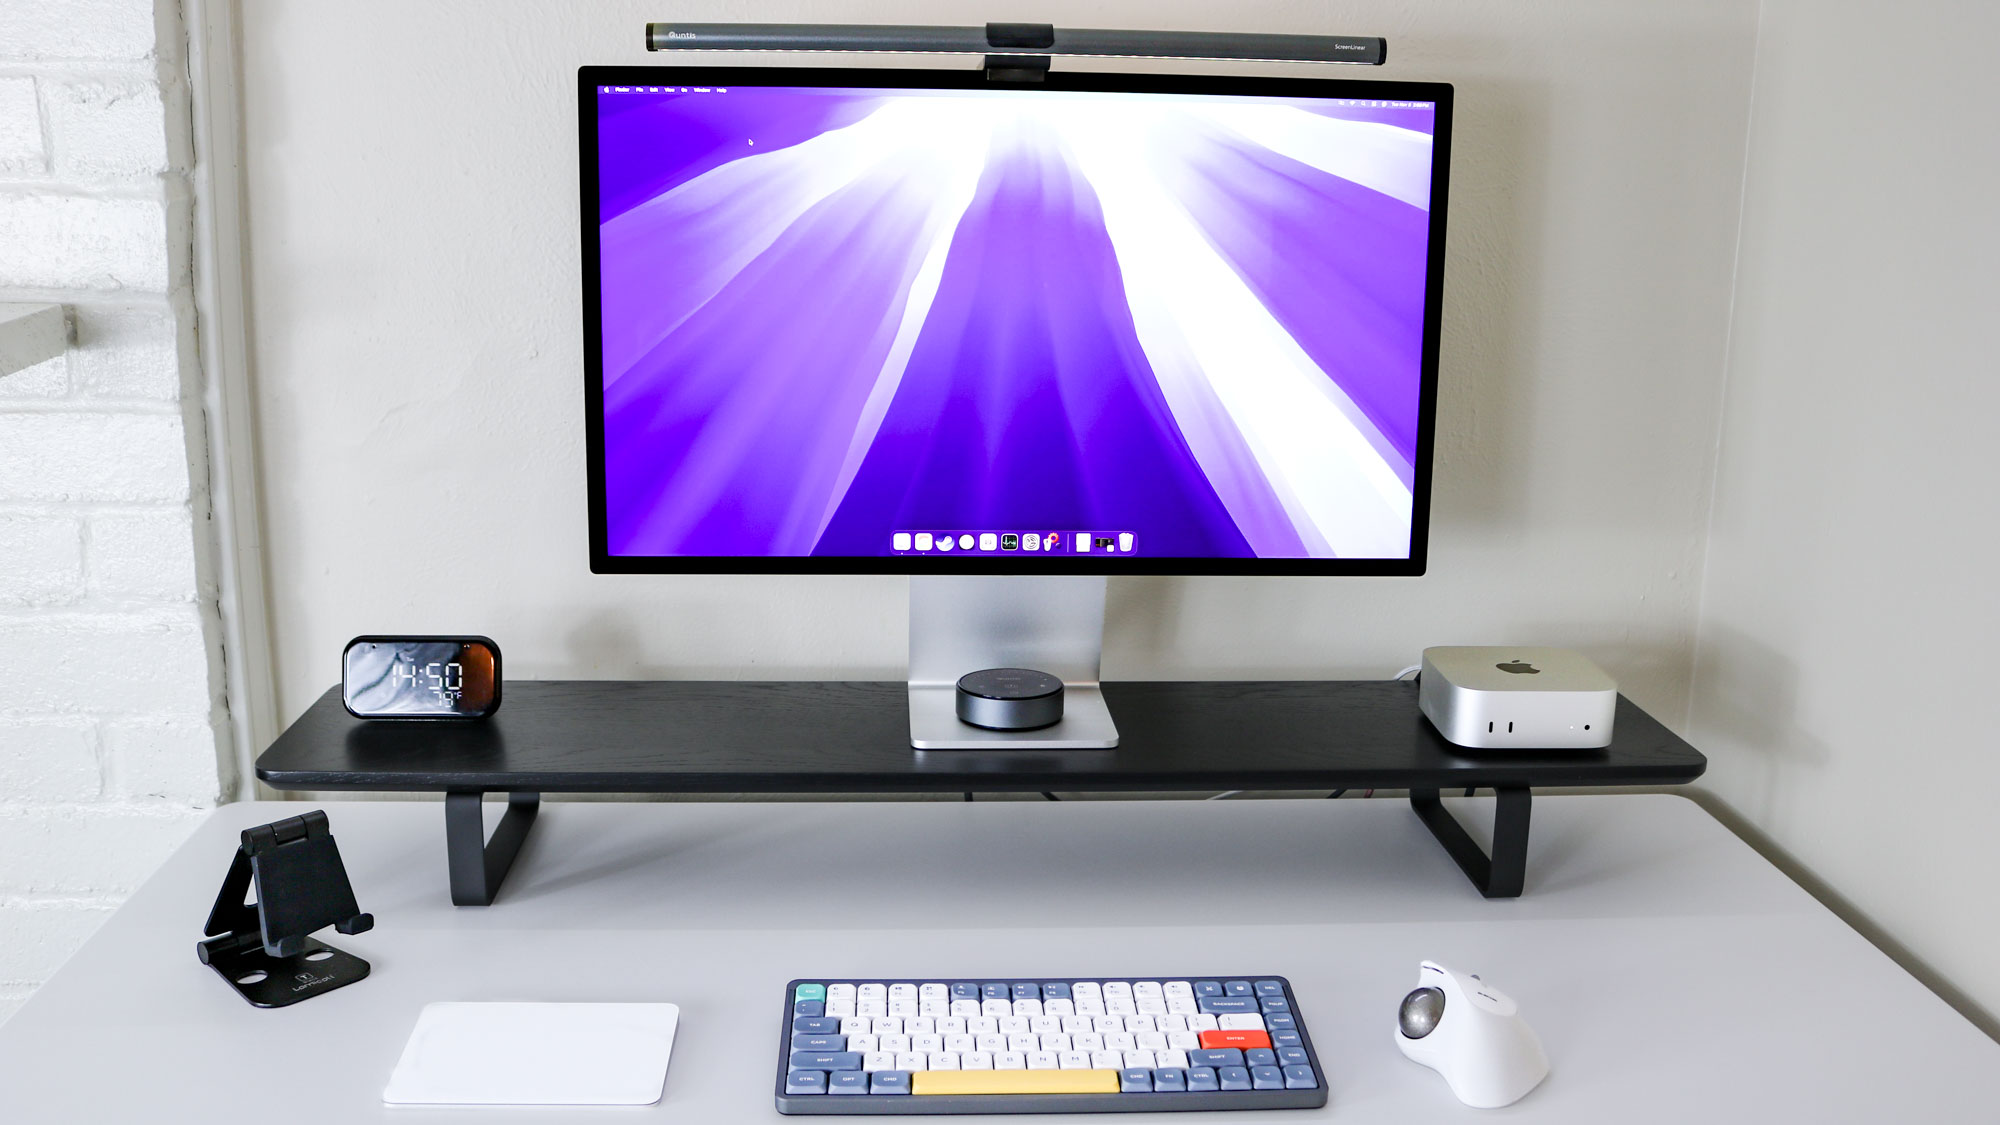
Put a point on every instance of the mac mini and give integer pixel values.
(1517, 698)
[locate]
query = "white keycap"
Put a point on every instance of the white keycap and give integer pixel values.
(900, 1044)
(965, 1007)
(900, 1008)
(1013, 1025)
(1010, 1060)
(959, 1044)
(927, 1044)
(933, 992)
(1027, 1007)
(1117, 989)
(933, 1007)
(1084, 988)
(1023, 1043)
(1045, 1025)
(1058, 1007)
(997, 1008)
(922, 1025)
(1201, 1021)
(952, 1025)
(871, 1007)
(1170, 1023)
(1135, 1059)
(863, 1043)
(1119, 1006)
(982, 1025)
(1151, 1007)
(1170, 1058)
(1179, 988)
(975, 1060)
(1057, 1043)
(1182, 1006)
(1073, 1024)
(1108, 1023)
(885, 1025)
(872, 992)
(1183, 1041)
(1147, 1040)
(1147, 990)
(1043, 1060)
(840, 992)
(1073, 1060)
(1089, 1006)
(1242, 1021)
(941, 1061)
(878, 1060)
(992, 1042)
(902, 992)
(910, 1060)
(1139, 1023)
(856, 1025)
(1106, 1060)
(841, 1008)
(1120, 1041)
(1087, 1041)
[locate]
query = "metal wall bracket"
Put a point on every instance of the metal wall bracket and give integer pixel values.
(1500, 875)
(478, 865)
(263, 950)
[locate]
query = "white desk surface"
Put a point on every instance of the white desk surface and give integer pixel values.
(1673, 975)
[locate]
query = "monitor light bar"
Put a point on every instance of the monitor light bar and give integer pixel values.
(1017, 42)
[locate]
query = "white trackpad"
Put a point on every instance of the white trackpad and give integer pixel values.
(535, 1054)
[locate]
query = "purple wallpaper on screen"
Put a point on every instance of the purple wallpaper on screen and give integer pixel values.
(833, 316)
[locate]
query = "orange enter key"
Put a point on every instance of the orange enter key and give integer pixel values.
(1215, 1040)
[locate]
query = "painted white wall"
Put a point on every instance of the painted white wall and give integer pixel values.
(418, 368)
(109, 699)
(1849, 612)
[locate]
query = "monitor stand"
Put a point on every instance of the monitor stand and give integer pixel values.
(962, 623)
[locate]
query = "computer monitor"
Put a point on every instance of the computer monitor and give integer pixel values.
(869, 321)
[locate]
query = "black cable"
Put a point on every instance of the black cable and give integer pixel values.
(1051, 796)
(1335, 793)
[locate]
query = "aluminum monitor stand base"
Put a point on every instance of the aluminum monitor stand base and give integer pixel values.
(962, 623)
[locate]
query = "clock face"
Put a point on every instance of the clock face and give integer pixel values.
(421, 677)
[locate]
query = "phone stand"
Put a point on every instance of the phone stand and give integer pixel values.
(264, 951)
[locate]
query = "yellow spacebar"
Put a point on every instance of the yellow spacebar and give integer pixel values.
(1014, 1082)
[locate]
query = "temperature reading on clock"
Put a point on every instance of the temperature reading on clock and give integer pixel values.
(421, 677)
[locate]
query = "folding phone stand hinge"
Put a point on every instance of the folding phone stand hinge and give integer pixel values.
(263, 950)
(1500, 875)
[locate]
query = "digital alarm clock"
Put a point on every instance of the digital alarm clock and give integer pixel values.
(420, 677)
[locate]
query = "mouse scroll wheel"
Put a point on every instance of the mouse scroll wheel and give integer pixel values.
(1420, 1012)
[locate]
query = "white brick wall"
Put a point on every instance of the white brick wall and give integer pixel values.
(109, 703)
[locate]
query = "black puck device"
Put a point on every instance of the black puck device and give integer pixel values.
(1010, 699)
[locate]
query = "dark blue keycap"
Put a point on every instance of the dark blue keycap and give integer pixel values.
(1170, 1080)
(1280, 1021)
(1284, 1038)
(1291, 1056)
(1266, 1078)
(1201, 1080)
(1137, 1081)
(1024, 990)
(993, 992)
(1270, 988)
(1260, 1056)
(806, 1082)
(1233, 1077)
(1276, 1004)
(1236, 988)
(1055, 990)
(1223, 1056)
(848, 1082)
(965, 992)
(889, 1082)
(819, 1042)
(809, 1008)
(815, 1025)
(1300, 1078)
(1207, 988)
(1224, 1005)
(826, 1060)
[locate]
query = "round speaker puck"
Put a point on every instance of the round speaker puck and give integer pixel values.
(1010, 699)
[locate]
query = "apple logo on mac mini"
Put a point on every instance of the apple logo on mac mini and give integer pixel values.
(1519, 668)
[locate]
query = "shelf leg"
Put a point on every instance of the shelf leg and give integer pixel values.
(478, 865)
(1500, 875)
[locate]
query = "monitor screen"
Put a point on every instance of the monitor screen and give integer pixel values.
(909, 321)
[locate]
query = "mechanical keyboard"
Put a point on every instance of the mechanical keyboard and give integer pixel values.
(1045, 1046)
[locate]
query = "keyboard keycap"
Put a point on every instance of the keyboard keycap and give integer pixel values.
(809, 1008)
(889, 1082)
(946, 1083)
(1054, 990)
(995, 992)
(805, 1082)
(1275, 1004)
(1227, 1005)
(1027, 990)
(1270, 988)
(1291, 1056)
(1282, 1021)
(1233, 1077)
(1286, 1039)
(1259, 1056)
(1135, 1081)
(1237, 988)
(809, 992)
(826, 1060)
(965, 992)
(1201, 1080)
(1266, 1078)
(848, 1082)
(1300, 1078)
(819, 1043)
(1241, 1021)
(1221, 1057)
(1218, 1040)
(1207, 988)
(815, 1025)
(1170, 1081)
